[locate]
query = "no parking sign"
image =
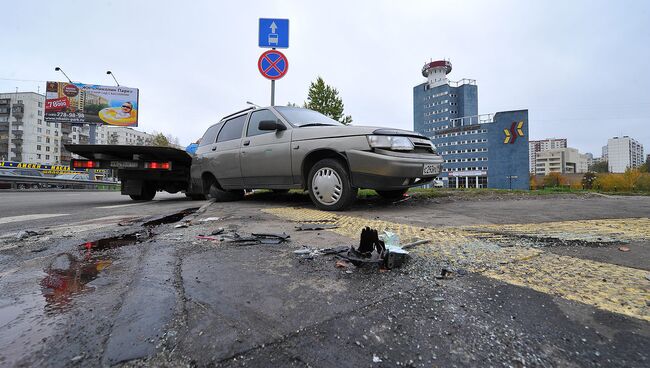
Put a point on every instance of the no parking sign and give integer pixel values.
(273, 64)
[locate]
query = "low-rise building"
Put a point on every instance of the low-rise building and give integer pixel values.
(123, 136)
(561, 160)
(534, 147)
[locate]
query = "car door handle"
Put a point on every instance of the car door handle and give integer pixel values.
(247, 142)
(214, 148)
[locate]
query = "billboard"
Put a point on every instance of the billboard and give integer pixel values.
(91, 103)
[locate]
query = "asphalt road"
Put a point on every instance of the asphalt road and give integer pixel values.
(532, 281)
(27, 209)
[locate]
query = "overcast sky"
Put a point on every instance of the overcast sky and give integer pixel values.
(582, 68)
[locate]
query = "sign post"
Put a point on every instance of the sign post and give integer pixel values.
(273, 65)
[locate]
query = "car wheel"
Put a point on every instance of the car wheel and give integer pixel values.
(329, 185)
(392, 194)
(221, 195)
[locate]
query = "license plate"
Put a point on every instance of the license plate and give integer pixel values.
(430, 169)
(124, 164)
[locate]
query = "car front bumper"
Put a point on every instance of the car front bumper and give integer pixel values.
(387, 170)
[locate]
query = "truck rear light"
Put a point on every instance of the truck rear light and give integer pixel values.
(84, 164)
(158, 165)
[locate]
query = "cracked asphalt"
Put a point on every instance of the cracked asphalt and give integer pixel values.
(534, 281)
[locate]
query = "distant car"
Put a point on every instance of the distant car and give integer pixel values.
(73, 176)
(438, 183)
(26, 172)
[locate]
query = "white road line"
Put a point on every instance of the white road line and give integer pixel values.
(122, 205)
(6, 220)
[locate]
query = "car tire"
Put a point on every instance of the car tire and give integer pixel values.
(221, 195)
(329, 185)
(392, 194)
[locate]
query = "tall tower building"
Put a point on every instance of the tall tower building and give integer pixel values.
(439, 100)
(479, 151)
(624, 153)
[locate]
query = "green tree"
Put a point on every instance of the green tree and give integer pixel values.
(325, 99)
(600, 167)
(160, 140)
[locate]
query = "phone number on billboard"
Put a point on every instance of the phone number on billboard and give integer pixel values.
(67, 116)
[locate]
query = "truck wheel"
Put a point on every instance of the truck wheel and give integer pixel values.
(392, 194)
(195, 197)
(329, 185)
(221, 195)
(148, 192)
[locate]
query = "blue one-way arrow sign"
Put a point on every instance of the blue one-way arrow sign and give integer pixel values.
(274, 33)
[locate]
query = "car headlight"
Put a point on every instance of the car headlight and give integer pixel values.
(395, 143)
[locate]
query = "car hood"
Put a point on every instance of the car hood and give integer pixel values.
(314, 132)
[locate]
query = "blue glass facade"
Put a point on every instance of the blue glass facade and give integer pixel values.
(480, 151)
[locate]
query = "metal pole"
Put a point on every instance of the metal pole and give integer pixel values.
(92, 140)
(272, 92)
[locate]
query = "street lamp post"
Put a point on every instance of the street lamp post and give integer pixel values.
(113, 75)
(58, 69)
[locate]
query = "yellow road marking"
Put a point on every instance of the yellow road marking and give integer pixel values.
(588, 230)
(606, 286)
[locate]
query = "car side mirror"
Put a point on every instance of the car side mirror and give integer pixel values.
(271, 125)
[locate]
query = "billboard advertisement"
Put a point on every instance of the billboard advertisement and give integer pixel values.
(91, 103)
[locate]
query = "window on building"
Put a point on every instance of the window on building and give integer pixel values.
(39, 130)
(47, 157)
(40, 104)
(47, 139)
(47, 148)
(39, 139)
(40, 112)
(39, 121)
(38, 156)
(38, 147)
(48, 131)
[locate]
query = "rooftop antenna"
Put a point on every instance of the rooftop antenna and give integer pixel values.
(57, 69)
(113, 75)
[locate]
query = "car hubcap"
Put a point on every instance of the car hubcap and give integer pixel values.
(327, 186)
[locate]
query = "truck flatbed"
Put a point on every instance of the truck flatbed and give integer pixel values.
(142, 170)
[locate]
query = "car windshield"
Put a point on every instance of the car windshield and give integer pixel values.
(304, 117)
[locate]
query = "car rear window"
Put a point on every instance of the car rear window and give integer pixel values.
(232, 129)
(210, 135)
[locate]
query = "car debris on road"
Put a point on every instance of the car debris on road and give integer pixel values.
(315, 226)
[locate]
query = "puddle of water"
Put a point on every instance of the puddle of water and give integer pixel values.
(171, 218)
(68, 274)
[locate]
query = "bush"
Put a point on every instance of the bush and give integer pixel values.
(554, 179)
(643, 183)
(631, 180)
